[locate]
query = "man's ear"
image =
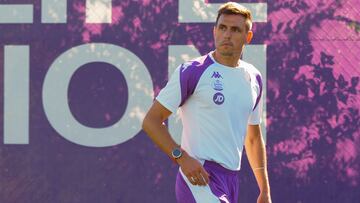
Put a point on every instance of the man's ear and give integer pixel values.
(249, 37)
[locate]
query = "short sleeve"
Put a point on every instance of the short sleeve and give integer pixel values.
(256, 114)
(170, 95)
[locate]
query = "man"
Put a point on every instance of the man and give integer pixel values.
(219, 97)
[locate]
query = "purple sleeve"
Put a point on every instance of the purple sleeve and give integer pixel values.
(259, 81)
(256, 114)
(190, 74)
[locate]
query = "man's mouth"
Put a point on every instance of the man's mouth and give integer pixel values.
(226, 44)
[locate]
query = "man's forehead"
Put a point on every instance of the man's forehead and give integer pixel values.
(231, 20)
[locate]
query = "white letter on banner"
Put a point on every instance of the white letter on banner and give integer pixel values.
(16, 95)
(98, 11)
(16, 13)
(53, 11)
(55, 97)
(197, 11)
(256, 55)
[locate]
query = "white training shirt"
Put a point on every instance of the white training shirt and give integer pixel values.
(216, 103)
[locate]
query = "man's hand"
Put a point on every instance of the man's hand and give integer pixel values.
(193, 170)
(264, 198)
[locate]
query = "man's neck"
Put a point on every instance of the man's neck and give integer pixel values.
(231, 61)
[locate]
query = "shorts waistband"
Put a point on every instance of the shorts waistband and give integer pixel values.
(218, 167)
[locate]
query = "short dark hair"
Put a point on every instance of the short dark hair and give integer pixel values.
(233, 8)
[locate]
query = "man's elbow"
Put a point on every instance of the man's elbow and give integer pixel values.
(253, 140)
(253, 134)
(145, 123)
(150, 123)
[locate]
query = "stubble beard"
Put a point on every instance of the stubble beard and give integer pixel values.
(229, 53)
(226, 53)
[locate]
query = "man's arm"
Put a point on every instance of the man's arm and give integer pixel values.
(256, 153)
(159, 134)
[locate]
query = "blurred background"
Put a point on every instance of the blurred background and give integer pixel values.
(77, 78)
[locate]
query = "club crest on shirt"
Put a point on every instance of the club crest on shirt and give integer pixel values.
(217, 85)
(218, 98)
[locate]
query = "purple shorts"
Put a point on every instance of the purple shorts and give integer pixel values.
(222, 188)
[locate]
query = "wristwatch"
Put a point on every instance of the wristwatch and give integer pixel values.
(176, 153)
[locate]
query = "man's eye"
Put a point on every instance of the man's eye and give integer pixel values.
(222, 28)
(236, 30)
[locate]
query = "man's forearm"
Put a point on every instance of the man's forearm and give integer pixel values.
(159, 134)
(256, 153)
(259, 164)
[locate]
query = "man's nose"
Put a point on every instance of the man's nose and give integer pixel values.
(227, 33)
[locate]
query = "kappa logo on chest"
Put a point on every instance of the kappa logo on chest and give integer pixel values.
(216, 75)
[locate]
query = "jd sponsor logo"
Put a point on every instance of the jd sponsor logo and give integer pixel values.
(218, 98)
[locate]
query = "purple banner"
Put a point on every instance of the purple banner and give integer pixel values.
(77, 77)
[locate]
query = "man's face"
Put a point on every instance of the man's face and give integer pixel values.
(230, 35)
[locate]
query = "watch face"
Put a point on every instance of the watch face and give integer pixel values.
(176, 153)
